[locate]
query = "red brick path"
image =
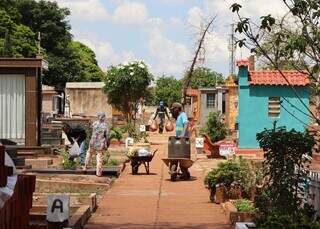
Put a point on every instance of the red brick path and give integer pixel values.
(153, 201)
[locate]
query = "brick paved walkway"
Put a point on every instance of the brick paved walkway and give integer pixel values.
(153, 201)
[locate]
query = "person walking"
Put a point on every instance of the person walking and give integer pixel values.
(76, 133)
(162, 113)
(99, 142)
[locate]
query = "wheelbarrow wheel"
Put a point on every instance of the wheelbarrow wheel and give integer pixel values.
(135, 168)
(185, 174)
(173, 172)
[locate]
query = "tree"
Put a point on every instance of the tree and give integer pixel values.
(16, 40)
(205, 77)
(168, 89)
(90, 71)
(300, 44)
(126, 84)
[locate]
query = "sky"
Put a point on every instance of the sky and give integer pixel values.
(162, 33)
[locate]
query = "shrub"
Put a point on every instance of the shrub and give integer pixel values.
(236, 170)
(66, 163)
(215, 128)
(115, 133)
(285, 168)
(244, 205)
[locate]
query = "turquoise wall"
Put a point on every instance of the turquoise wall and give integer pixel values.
(253, 109)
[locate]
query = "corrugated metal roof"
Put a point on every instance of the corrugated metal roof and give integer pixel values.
(85, 85)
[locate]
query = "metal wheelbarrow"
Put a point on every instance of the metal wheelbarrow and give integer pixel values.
(178, 166)
(136, 161)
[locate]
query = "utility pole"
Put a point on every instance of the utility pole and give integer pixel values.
(232, 50)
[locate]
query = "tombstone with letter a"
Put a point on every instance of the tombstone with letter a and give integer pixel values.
(58, 211)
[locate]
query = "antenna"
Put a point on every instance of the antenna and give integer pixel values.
(232, 50)
(202, 51)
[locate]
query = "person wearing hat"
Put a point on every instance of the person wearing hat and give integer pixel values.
(76, 133)
(99, 142)
(181, 120)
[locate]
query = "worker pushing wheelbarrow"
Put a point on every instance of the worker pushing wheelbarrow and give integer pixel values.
(178, 159)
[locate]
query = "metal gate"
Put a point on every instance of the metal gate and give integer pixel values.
(12, 106)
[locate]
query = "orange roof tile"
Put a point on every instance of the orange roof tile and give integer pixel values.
(275, 78)
(244, 62)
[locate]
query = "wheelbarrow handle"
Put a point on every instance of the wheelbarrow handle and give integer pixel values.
(154, 152)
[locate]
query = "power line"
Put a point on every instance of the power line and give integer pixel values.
(292, 105)
(295, 116)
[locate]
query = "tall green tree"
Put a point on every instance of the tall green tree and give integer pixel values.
(168, 89)
(90, 71)
(126, 84)
(205, 77)
(68, 61)
(16, 40)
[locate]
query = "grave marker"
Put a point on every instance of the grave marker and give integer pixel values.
(58, 208)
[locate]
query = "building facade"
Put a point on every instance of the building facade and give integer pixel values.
(266, 97)
(20, 100)
(87, 98)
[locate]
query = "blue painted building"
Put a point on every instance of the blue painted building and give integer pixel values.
(265, 96)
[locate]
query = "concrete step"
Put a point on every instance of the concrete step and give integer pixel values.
(39, 163)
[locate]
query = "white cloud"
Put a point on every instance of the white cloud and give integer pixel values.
(85, 10)
(171, 57)
(130, 13)
(105, 53)
(195, 17)
(175, 21)
(250, 8)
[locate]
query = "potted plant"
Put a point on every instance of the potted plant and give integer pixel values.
(234, 175)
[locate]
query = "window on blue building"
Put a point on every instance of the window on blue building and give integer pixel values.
(274, 107)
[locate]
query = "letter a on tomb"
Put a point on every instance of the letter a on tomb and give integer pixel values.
(58, 208)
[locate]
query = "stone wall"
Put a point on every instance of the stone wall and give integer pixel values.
(88, 100)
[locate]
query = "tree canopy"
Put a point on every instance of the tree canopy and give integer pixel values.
(168, 89)
(205, 77)
(20, 23)
(126, 84)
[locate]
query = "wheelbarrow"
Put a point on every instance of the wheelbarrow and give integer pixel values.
(178, 166)
(136, 161)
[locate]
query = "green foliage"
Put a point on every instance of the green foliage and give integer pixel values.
(134, 132)
(68, 164)
(90, 71)
(215, 128)
(236, 170)
(284, 221)
(150, 99)
(126, 84)
(205, 77)
(244, 205)
(168, 89)
(286, 168)
(106, 160)
(115, 133)
(20, 22)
